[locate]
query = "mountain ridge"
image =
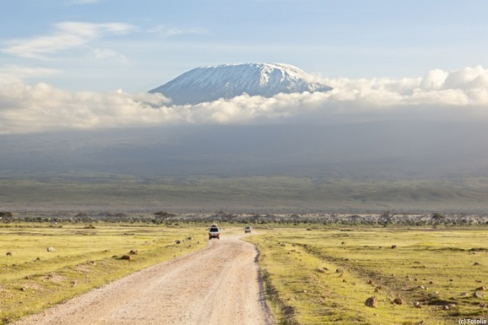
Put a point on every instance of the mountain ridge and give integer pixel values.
(205, 84)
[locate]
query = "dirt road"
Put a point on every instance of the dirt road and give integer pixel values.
(216, 285)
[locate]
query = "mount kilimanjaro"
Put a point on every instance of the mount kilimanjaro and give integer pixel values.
(205, 84)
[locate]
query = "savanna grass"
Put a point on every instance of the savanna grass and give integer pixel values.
(325, 276)
(84, 257)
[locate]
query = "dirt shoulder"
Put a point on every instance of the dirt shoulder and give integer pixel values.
(216, 285)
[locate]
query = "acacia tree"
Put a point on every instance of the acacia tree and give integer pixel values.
(386, 218)
(163, 215)
(6, 216)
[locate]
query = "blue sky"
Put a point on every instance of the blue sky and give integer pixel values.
(138, 45)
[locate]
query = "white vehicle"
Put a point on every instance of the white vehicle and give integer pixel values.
(247, 229)
(214, 232)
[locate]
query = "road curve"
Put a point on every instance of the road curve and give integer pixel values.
(216, 285)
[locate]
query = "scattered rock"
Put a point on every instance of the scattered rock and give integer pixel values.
(92, 262)
(417, 304)
(178, 241)
(476, 263)
(477, 294)
(28, 277)
(22, 289)
(398, 301)
(371, 282)
(479, 281)
(50, 249)
(371, 302)
(320, 270)
(38, 259)
(344, 280)
(483, 288)
(125, 257)
(338, 270)
(343, 243)
(464, 294)
(431, 282)
(9, 254)
(421, 287)
(189, 238)
(73, 283)
(393, 246)
(482, 305)
(134, 252)
(446, 307)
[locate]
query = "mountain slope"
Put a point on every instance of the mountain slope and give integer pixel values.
(206, 84)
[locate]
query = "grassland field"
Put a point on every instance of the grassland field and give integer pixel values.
(315, 275)
(324, 276)
(84, 258)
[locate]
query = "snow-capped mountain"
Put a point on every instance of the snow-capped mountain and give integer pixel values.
(206, 84)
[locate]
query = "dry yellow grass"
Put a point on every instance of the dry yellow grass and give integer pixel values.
(325, 276)
(32, 279)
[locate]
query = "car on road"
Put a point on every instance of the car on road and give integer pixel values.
(214, 232)
(247, 229)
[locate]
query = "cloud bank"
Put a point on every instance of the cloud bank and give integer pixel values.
(439, 95)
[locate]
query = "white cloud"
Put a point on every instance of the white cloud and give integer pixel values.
(67, 35)
(439, 95)
(17, 74)
(102, 54)
(165, 31)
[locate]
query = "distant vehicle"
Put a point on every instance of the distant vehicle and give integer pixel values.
(247, 229)
(214, 232)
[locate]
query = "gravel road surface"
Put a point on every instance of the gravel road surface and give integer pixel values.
(216, 285)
